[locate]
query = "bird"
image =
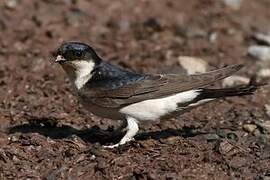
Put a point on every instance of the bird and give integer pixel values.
(109, 91)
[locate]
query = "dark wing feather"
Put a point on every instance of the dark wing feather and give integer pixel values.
(153, 86)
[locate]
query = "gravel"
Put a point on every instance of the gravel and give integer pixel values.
(259, 52)
(193, 65)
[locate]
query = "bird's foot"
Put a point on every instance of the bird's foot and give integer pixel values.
(132, 129)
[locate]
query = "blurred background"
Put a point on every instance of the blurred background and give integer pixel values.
(45, 133)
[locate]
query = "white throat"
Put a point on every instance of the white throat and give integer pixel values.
(83, 72)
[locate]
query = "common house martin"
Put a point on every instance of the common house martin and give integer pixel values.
(111, 92)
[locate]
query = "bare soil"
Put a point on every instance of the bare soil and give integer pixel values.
(46, 134)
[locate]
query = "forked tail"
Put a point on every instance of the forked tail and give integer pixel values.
(228, 92)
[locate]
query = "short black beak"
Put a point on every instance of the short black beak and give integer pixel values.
(60, 59)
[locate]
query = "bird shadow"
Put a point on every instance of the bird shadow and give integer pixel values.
(50, 128)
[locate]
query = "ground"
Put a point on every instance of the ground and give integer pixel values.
(46, 134)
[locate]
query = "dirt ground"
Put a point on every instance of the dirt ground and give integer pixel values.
(46, 134)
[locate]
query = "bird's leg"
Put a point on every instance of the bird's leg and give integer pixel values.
(132, 129)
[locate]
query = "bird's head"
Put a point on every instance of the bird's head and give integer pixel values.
(77, 59)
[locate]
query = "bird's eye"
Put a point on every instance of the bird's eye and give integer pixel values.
(78, 54)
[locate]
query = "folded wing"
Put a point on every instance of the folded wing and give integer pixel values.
(153, 87)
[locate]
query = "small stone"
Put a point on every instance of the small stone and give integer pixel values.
(267, 109)
(250, 128)
(93, 157)
(15, 159)
(264, 73)
(234, 4)
(211, 137)
(171, 140)
(213, 37)
(11, 4)
(263, 38)
(260, 52)
(234, 81)
(193, 65)
(13, 139)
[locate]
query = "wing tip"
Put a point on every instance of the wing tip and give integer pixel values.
(239, 66)
(230, 69)
(236, 67)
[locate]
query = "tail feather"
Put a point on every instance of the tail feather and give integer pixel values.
(228, 92)
(207, 95)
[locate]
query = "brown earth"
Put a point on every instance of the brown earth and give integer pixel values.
(46, 134)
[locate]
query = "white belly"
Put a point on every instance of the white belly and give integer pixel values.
(153, 109)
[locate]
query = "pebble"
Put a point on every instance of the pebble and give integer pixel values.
(235, 80)
(13, 139)
(193, 65)
(259, 52)
(11, 4)
(267, 109)
(93, 157)
(250, 128)
(170, 140)
(211, 137)
(264, 38)
(264, 73)
(234, 4)
(213, 37)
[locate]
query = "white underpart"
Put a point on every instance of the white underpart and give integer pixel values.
(83, 72)
(153, 109)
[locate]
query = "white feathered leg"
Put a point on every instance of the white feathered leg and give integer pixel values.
(132, 129)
